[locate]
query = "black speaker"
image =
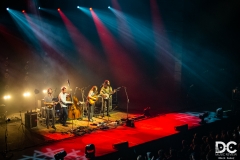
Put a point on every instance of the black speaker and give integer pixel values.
(121, 145)
(31, 120)
(182, 128)
(130, 123)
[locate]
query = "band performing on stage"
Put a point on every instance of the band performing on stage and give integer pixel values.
(72, 108)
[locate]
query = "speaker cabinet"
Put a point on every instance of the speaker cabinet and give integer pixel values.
(182, 128)
(121, 145)
(130, 123)
(31, 120)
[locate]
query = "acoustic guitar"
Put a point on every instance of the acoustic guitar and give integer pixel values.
(93, 99)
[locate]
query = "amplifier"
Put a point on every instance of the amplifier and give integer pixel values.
(31, 120)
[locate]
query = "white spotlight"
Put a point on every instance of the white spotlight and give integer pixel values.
(39, 7)
(109, 7)
(7, 97)
(44, 91)
(7, 9)
(78, 7)
(26, 94)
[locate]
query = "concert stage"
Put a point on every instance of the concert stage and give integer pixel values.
(42, 143)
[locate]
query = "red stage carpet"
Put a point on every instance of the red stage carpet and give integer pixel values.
(144, 131)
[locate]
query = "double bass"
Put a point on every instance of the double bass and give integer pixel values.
(73, 111)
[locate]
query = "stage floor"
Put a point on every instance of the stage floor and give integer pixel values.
(40, 142)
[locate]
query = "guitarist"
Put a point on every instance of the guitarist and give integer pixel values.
(106, 92)
(92, 98)
(49, 105)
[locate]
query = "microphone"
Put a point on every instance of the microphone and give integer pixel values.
(68, 82)
(101, 85)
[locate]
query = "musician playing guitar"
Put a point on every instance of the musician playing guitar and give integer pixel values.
(106, 92)
(92, 98)
(64, 105)
(49, 105)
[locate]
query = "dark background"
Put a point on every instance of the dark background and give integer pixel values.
(144, 55)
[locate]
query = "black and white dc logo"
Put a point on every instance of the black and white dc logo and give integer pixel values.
(221, 147)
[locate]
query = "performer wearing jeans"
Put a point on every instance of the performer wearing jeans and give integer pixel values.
(64, 108)
(91, 102)
(106, 92)
(49, 106)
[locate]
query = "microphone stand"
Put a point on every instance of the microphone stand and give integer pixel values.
(70, 107)
(6, 154)
(125, 88)
(83, 102)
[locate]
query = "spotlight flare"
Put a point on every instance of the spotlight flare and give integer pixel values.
(7, 97)
(26, 94)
